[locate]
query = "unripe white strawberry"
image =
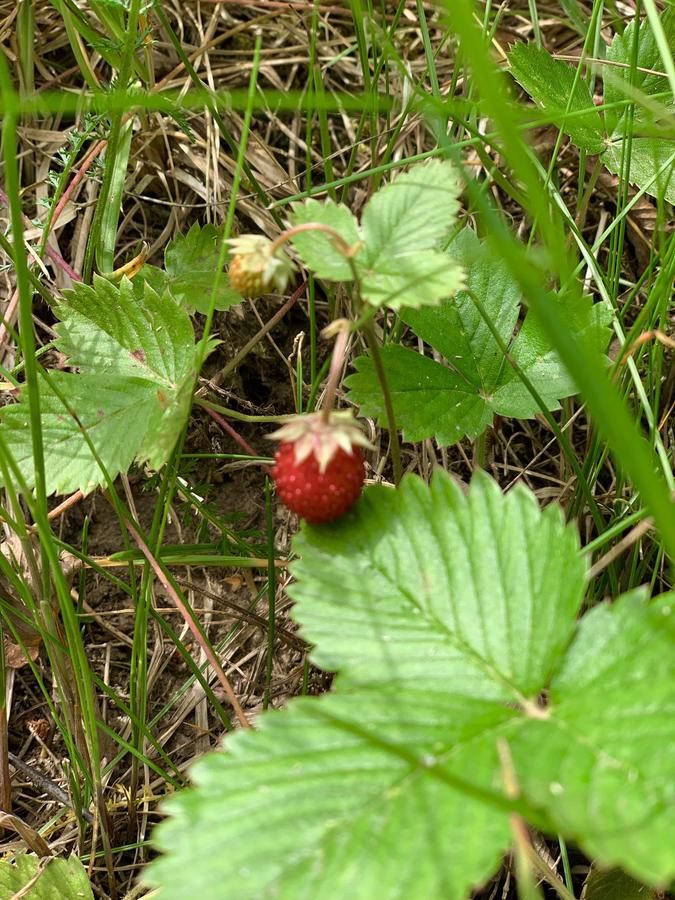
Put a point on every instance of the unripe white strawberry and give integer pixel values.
(257, 267)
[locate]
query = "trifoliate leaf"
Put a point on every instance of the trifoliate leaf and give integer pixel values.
(316, 248)
(137, 361)
(451, 621)
(415, 211)
(649, 77)
(190, 268)
(397, 262)
(55, 879)
(374, 771)
(555, 87)
(459, 397)
(403, 224)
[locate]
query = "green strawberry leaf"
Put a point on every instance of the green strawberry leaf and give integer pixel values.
(154, 277)
(115, 412)
(420, 279)
(652, 164)
(190, 268)
(432, 557)
(534, 356)
(648, 78)
(399, 263)
(448, 401)
(315, 805)
(137, 360)
(450, 618)
(403, 224)
(317, 249)
(413, 212)
(51, 879)
(109, 328)
(551, 84)
(376, 768)
(603, 762)
(651, 158)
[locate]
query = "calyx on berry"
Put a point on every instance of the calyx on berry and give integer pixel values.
(258, 266)
(316, 435)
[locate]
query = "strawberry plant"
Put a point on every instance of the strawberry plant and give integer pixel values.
(434, 633)
(487, 368)
(136, 361)
(468, 698)
(631, 71)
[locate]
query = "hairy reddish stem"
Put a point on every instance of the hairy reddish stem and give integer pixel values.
(344, 248)
(243, 443)
(94, 151)
(336, 364)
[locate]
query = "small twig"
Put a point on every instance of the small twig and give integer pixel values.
(8, 318)
(243, 443)
(60, 509)
(248, 615)
(620, 547)
(59, 261)
(246, 349)
(47, 785)
(655, 335)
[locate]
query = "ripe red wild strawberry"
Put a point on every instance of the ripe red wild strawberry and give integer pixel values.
(319, 469)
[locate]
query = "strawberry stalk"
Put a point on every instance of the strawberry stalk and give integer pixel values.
(336, 365)
(259, 264)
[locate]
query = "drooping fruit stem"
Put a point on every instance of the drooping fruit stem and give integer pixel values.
(365, 325)
(341, 245)
(336, 364)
